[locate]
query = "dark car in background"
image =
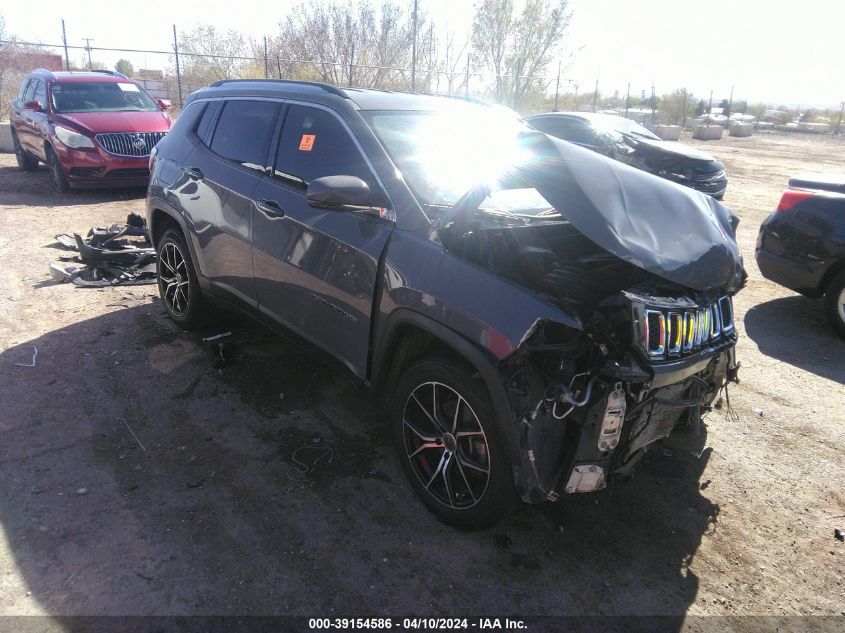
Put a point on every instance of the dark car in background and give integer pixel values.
(91, 129)
(530, 311)
(801, 245)
(631, 143)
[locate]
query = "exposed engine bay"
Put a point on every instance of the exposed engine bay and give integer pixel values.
(656, 346)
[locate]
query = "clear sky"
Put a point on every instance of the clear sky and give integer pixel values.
(768, 50)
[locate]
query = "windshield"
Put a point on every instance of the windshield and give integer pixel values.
(100, 97)
(445, 153)
(616, 126)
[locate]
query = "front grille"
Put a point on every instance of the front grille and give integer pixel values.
(673, 333)
(710, 183)
(129, 143)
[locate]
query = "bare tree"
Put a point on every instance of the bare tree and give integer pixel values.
(342, 44)
(16, 60)
(518, 49)
(209, 55)
(455, 59)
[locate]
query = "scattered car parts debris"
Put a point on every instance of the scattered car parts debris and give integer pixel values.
(216, 336)
(118, 255)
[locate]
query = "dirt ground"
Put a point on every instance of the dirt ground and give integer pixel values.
(143, 471)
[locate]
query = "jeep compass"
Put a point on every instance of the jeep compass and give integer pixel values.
(534, 314)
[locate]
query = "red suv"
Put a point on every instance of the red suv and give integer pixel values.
(92, 129)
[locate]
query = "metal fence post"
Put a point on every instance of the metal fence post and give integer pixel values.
(266, 61)
(557, 87)
(351, 61)
(279, 66)
(414, 52)
(466, 83)
(178, 69)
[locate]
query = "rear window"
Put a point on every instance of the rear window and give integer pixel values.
(244, 131)
(101, 96)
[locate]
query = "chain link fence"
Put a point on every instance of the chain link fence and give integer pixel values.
(175, 74)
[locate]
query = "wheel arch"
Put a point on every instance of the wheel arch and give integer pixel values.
(409, 336)
(161, 217)
(829, 274)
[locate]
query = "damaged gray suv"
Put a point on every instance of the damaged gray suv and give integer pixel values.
(535, 315)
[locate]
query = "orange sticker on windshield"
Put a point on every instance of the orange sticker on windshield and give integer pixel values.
(306, 144)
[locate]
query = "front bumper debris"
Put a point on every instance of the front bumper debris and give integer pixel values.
(115, 256)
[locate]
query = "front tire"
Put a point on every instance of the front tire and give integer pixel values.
(177, 281)
(26, 161)
(834, 303)
(57, 176)
(450, 446)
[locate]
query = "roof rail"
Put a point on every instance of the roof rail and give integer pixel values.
(113, 73)
(327, 87)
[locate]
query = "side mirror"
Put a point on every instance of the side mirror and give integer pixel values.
(33, 105)
(164, 104)
(339, 193)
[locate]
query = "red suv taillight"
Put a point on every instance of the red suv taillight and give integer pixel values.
(792, 197)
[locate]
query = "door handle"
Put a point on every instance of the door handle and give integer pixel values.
(194, 173)
(270, 208)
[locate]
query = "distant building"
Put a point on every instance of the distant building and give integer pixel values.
(48, 61)
(153, 82)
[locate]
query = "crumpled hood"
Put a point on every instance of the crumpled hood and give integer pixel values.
(669, 147)
(671, 231)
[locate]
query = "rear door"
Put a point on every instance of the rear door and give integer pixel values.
(221, 175)
(21, 118)
(38, 120)
(315, 270)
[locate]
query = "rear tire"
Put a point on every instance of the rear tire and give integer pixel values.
(834, 303)
(450, 446)
(26, 161)
(57, 176)
(177, 282)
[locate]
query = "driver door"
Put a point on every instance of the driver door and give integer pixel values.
(316, 270)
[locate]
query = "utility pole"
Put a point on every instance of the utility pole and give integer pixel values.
(178, 69)
(653, 104)
(595, 95)
(839, 122)
(266, 60)
(557, 87)
(627, 99)
(64, 42)
(414, 50)
(686, 103)
(710, 108)
(730, 105)
(88, 48)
